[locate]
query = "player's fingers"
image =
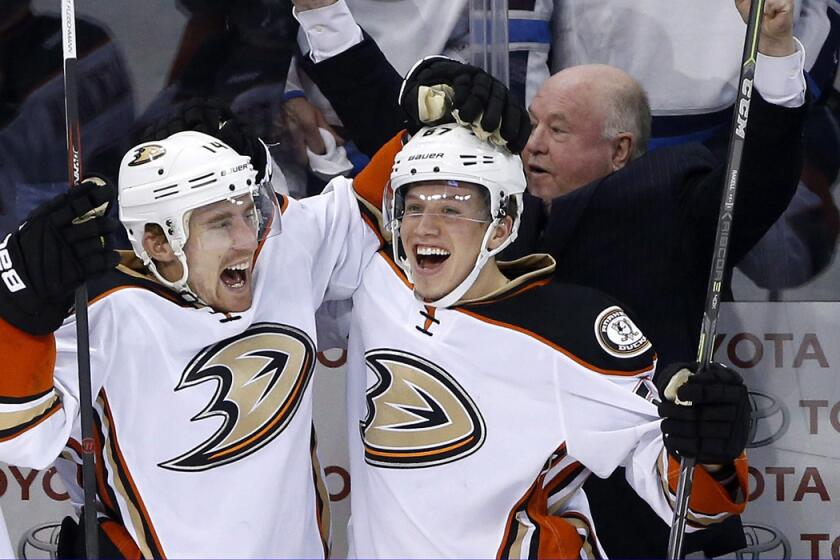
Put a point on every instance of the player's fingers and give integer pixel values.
(678, 428)
(477, 99)
(719, 413)
(85, 248)
(100, 262)
(668, 409)
(717, 451)
(714, 430)
(517, 143)
(492, 116)
(511, 121)
(685, 447)
(92, 229)
(701, 393)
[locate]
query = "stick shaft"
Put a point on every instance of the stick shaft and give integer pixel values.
(717, 273)
(74, 172)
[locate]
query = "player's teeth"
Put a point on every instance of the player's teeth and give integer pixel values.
(425, 251)
(242, 266)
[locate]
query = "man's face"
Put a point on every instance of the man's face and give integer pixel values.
(566, 149)
(442, 231)
(220, 253)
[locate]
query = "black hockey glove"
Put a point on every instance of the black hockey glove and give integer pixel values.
(212, 117)
(438, 86)
(59, 246)
(715, 427)
(71, 539)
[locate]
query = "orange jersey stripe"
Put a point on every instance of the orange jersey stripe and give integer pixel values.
(370, 182)
(119, 536)
(456, 445)
(29, 362)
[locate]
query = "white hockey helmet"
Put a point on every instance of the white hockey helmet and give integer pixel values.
(163, 181)
(451, 152)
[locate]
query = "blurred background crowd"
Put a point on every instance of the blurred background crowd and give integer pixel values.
(138, 59)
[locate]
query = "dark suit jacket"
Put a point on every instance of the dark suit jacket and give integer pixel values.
(644, 235)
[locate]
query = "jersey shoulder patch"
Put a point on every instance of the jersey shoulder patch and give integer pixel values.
(585, 324)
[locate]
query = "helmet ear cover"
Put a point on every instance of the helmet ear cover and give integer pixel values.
(454, 153)
(162, 182)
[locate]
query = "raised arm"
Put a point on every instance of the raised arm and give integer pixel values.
(58, 247)
(772, 160)
(373, 101)
(352, 72)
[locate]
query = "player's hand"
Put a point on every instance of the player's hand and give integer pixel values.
(776, 28)
(705, 415)
(438, 90)
(212, 117)
(61, 244)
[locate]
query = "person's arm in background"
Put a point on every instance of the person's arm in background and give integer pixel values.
(772, 159)
(801, 243)
(351, 71)
(375, 103)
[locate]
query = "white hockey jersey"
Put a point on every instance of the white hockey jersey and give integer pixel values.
(472, 428)
(203, 420)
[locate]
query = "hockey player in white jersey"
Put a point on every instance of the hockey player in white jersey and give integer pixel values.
(481, 394)
(202, 346)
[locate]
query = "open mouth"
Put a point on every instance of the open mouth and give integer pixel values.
(536, 170)
(429, 258)
(234, 276)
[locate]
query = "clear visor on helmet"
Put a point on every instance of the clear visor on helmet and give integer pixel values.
(239, 217)
(449, 200)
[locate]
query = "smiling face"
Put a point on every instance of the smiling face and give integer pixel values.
(220, 253)
(441, 231)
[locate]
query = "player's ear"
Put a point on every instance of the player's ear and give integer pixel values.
(501, 232)
(156, 244)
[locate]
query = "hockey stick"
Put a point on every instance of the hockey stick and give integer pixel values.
(708, 329)
(74, 173)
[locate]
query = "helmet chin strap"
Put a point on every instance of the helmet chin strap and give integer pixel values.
(180, 286)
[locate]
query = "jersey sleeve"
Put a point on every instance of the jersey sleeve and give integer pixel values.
(608, 411)
(326, 234)
(39, 394)
(340, 230)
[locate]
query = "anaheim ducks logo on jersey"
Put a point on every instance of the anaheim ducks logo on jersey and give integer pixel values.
(145, 154)
(618, 335)
(261, 375)
(418, 416)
